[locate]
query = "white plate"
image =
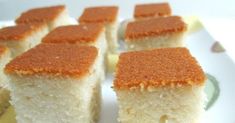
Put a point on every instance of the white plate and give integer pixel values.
(220, 87)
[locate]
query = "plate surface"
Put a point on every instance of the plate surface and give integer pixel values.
(220, 88)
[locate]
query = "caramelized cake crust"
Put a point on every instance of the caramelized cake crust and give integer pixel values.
(43, 14)
(74, 33)
(56, 59)
(18, 32)
(102, 14)
(154, 27)
(158, 68)
(152, 10)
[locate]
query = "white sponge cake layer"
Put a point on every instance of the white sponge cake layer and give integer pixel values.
(148, 43)
(111, 36)
(161, 105)
(101, 44)
(62, 20)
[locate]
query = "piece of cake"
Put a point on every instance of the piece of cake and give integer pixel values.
(21, 37)
(152, 10)
(106, 15)
(83, 34)
(53, 16)
(155, 33)
(56, 83)
(159, 86)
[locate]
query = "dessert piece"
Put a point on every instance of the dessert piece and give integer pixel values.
(158, 86)
(152, 10)
(106, 15)
(155, 33)
(56, 83)
(21, 37)
(83, 34)
(53, 16)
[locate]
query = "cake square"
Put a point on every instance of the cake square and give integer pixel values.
(151, 10)
(55, 83)
(106, 15)
(155, 33)
(21, 37)
(84, 34)
(53, 16)
(159, 85)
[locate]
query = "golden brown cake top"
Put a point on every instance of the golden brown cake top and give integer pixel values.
(152, 10)
(3, 49)
(18, 32)
(43, 14)
(154, 27)
(83, 33)
(173, 67)
(54, 59)
(102, 14)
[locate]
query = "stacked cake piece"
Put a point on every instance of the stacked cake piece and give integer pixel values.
(21, 37)
(56, 83)
(155, 33)
(53, 16)
(151, 10)
(106, 15)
